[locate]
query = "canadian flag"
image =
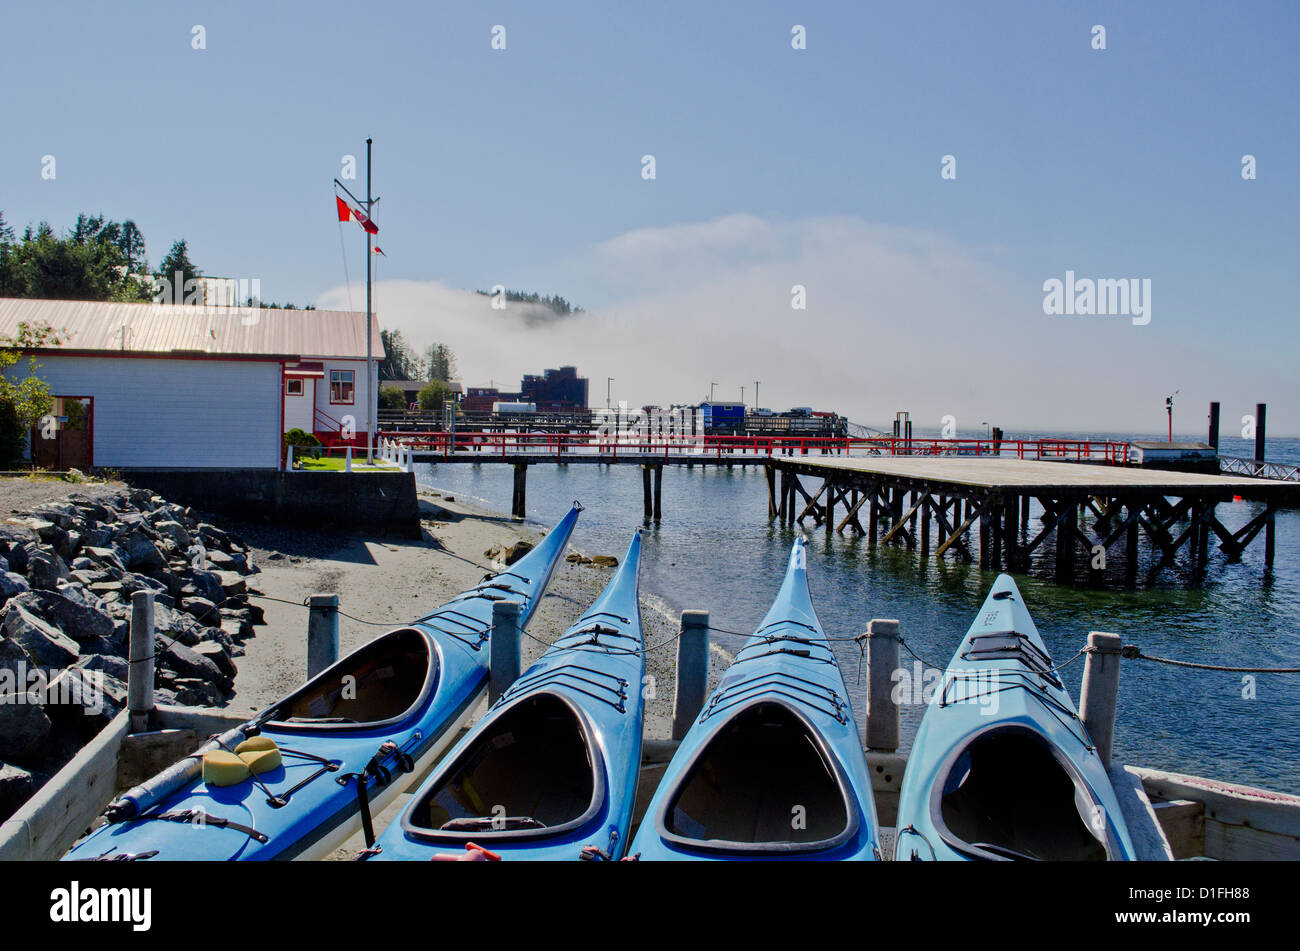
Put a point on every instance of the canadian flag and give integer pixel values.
(348, 210)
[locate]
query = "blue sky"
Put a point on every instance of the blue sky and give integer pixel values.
(774, 167)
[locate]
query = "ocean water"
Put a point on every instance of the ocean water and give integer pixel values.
(715, 549)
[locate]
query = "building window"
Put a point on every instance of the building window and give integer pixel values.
(341, 386)
(293, 387)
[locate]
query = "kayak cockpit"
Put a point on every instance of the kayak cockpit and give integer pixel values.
(1010, 794)
(531, 773)
(765, 782)
(377, 685)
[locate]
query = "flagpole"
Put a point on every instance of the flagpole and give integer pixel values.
(370, 396)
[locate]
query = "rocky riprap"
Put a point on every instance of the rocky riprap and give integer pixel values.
(67, 573)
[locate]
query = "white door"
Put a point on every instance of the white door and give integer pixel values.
(299, 404)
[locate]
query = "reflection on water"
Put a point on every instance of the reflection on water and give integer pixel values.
(717, 550)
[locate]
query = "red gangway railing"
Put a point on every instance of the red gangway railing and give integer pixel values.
(642, 447)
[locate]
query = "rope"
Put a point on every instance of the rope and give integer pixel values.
(1133, 652)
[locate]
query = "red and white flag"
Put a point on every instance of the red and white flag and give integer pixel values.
(347, 209)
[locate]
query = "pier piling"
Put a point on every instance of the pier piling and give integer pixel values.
(139, 673)
(322, 632)
(659, 485)
(1100, 693)
(692, 671)
(503, 669)
(519, 503)
(882, 662)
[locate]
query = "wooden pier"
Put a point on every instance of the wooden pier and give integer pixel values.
(978, 509)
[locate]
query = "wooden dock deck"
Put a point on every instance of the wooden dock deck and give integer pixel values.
(992, 496)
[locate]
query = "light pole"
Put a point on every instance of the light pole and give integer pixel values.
(742, 394)
(988, 431)
(711, 386)
(756, 382)
(608, 381)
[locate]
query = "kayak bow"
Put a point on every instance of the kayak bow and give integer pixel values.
(1002, 767)
(551, 771)
(773, 766)
(340, 747)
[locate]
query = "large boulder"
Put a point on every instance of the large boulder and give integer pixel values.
(203, 584)
(45, 569)
(16, 788)
(213, 537)
(141, 552)
(113, 665)
(72, 613)
(185, 662)
(23, 724)
(217, 653)
(104, 556)
(84, 700)
(174, 531)
(12, 584)
(203, 610)
(45, 644)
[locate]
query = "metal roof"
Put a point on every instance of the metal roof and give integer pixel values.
(194, 330)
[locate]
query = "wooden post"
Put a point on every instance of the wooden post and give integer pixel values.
(1024, 513)
(647, 502)
(1131, 544)
(659, 485)
(1269, 546)
(322, 632)
(1065, 541)
(882, 662)
(1214, 427)
(692, 671)
(830, 509)
(519, 504)
(925, 527)
(1260, 409)
(503, 644)
(139, 673)
(785, 497)
(986, 553)
(1100, 693)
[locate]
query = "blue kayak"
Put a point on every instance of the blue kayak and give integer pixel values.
(550, 773)
(342, 746)
(1002, 767)
(773, 767)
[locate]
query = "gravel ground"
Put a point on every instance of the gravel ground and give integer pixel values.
(21, 494)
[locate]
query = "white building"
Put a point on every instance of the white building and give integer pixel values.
(166, 386)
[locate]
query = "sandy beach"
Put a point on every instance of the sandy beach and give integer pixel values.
(384, 583)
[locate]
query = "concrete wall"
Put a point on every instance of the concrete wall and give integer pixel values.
(175, 412)
(374, 502)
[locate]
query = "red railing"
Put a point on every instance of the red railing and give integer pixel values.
(641, 446)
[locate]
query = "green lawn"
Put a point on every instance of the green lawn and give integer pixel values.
(339, 463)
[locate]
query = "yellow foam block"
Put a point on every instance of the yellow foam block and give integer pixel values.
(221, 768)
(260, 753)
